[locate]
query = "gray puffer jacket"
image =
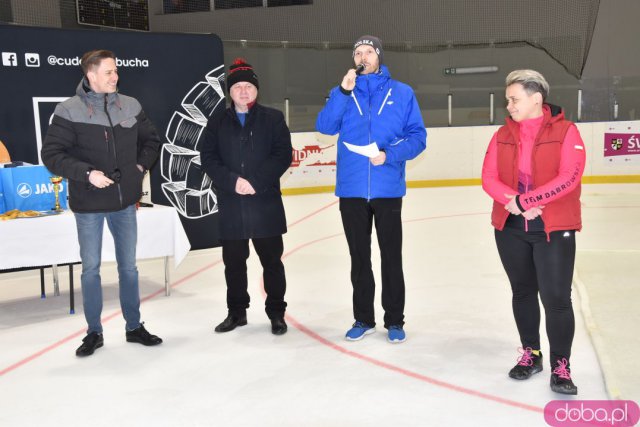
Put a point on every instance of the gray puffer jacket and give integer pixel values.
(105, 132)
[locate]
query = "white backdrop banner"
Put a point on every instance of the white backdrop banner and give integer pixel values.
(458, 152)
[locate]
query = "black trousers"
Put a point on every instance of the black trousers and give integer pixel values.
(535, 266)
(358, 215)
(235, 254)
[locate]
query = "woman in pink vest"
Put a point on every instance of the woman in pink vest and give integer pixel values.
(532, 171)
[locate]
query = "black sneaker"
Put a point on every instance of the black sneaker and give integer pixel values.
(561, 379)
(142, 336)
(528, 364)
(90, 343)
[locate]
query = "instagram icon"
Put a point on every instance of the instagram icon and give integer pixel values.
(32, 59)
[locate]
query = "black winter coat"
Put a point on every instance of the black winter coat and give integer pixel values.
(259, 152)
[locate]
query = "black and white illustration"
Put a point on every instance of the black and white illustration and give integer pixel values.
(187, 187)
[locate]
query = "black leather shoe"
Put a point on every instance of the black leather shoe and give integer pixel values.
(90, 343)
(231, 322)
(278, 326)
(528, 364)
(142, 336)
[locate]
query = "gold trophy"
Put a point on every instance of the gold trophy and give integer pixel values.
(56, 180)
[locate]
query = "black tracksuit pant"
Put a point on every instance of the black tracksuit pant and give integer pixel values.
(535, 265)
(235, 254)
(358, 215)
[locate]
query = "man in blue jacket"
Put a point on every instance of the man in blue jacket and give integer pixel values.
(371, 108)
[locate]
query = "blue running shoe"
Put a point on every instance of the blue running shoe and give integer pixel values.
(396, 334)
(358, 331)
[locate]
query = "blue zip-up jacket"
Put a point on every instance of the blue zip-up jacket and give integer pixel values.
(380, 110)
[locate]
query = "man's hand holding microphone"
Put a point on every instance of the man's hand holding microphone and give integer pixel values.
(349, 79)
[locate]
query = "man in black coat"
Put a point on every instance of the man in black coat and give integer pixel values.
(247, 148)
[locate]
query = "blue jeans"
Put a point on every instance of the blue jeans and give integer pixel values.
(124, 229)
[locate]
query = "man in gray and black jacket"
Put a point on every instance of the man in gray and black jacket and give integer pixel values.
(103, 143)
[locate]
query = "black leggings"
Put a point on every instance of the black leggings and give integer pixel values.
(534, 266)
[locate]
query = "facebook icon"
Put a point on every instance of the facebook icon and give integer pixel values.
(9, 59)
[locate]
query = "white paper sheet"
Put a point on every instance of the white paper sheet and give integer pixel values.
(370, 150)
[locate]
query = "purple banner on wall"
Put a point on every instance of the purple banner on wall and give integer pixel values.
(621, 144)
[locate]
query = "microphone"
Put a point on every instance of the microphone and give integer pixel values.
(360, 68)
